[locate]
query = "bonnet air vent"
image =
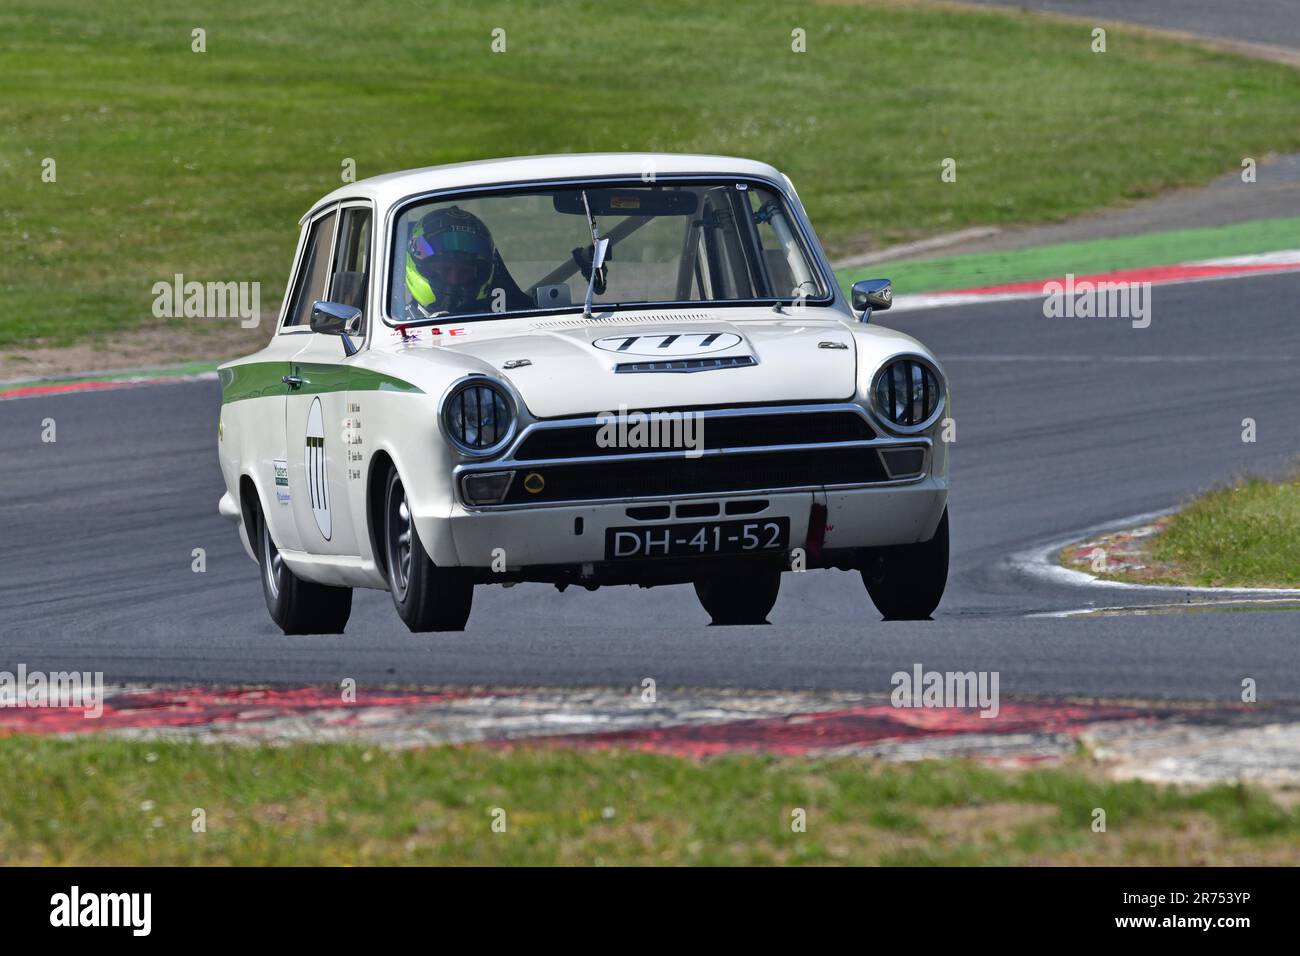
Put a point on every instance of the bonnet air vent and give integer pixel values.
(688, 365)
(644, 318)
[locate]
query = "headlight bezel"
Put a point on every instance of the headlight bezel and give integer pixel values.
(455, 392)
(941, 392)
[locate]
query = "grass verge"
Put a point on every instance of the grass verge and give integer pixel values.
(98, 800)
(172, 161)
(123, 375)
(1246, 534)
(1174, 247)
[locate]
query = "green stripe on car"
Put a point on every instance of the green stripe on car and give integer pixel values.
(265, 380)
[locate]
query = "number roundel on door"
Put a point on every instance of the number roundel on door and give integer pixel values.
(314, 460)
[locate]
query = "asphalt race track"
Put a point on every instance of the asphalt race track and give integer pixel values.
(1271, 22)
(1062, 424)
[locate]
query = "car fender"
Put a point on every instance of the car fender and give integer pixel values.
(424, 462)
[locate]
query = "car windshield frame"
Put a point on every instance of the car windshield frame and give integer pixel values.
(800, 229)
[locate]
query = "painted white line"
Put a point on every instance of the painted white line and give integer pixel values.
(1140, 609)
(1282, 257)
(1040, 562)
(1122, 359)
(921, 245)
(937, 300)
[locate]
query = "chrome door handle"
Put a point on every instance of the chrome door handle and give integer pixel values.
(293, 381)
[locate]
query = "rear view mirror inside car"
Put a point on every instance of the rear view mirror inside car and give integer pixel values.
(627, 202)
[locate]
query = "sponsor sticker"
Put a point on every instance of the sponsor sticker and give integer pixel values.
(281, 468)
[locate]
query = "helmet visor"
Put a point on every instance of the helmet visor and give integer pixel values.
(455, 245)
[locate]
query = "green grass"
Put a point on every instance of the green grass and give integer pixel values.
(160, 371)
(111, 801)
(1244, 535)
(1081, 258)
(171, 161)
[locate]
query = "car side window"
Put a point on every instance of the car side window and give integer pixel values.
(350, 277)
(310, 281)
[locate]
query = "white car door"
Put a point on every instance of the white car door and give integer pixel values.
(256, 391)
(318, 425)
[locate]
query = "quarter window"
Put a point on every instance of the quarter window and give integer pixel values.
(310, 283)
(351, 275)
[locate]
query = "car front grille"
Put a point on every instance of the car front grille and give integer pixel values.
(711, 433)
(728, 450)
(712, 474)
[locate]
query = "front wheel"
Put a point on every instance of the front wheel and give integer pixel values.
(738, 597)
(906, 581)
(298, 606)
(427, 597)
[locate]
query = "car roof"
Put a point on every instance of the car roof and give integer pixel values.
(391, 188)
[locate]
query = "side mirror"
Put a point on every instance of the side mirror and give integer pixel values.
(331, 318)
(872, 294)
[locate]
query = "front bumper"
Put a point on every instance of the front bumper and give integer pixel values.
(521, 538)
(842, 481)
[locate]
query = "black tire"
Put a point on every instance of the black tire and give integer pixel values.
(906, 582)
(739, 597)
(297, 606)
(427, 597)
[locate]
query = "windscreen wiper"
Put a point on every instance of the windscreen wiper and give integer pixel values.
(598, 248)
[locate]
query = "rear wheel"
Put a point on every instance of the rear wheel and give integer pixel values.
(427, 597)
(298, 606)
(738, 597)
(906, 582)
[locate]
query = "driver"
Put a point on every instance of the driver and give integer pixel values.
(452, 266)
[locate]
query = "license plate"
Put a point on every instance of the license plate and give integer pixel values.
(697, 538)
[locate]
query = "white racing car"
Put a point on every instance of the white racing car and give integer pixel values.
(588, 370)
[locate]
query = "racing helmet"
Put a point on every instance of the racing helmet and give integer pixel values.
(450, 259)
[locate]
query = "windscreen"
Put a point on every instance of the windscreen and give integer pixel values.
(494, 253)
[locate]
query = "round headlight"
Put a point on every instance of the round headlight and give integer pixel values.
(907, 394)
(478, 417)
